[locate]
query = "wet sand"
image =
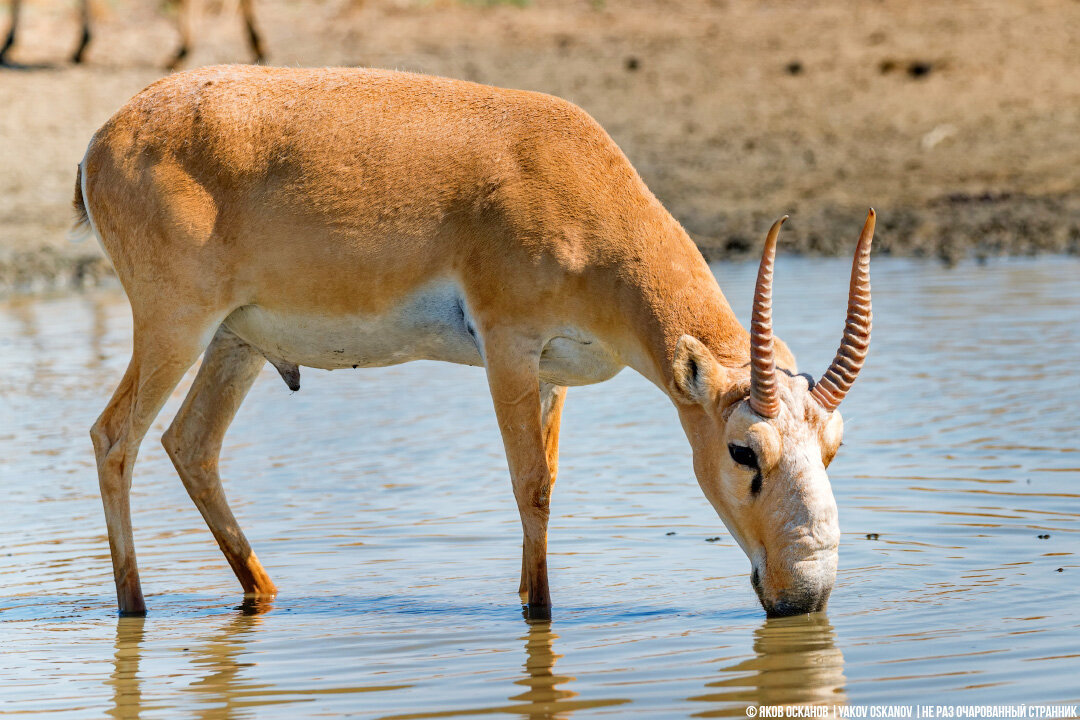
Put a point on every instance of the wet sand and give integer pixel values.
(380, 503)
(957, 121)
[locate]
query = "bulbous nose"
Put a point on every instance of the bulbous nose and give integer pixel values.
(799, 605)
(809, 595)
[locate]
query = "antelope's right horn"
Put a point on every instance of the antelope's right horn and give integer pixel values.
(837, 380)
(764, 399)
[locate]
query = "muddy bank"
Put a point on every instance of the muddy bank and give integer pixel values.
(949, 228)
(958, 122)
(46, 269)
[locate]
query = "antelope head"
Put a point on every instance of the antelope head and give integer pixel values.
(763, 442)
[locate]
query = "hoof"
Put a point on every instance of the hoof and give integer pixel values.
(536, 613)
(132, 604)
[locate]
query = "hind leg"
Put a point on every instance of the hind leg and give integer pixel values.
(84, 39)
(193, 441)
(187, 18)
(247, 7)
(16, 5)
(164, 349)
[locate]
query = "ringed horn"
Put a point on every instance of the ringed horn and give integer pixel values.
(763, 397)
(830, 390)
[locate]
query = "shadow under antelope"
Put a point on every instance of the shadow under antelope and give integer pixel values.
(188, 13)
(337, 218)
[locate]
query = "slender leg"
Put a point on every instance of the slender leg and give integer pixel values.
(513, 377)
(16, 6)
(552, 398)
(247, 7)
(164, 349)
(193, 441)
(84, 41)
(187, 17)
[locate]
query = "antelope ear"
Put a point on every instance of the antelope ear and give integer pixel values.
(831, 437)
(698, 376)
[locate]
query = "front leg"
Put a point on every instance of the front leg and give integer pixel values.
(552, 398)
(529, 429)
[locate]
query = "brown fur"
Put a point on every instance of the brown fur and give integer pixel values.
(339, 192)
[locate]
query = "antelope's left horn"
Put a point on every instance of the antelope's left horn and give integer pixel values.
(837, 380)
(763, 396)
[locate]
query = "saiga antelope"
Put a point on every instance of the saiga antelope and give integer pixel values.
(339, 218)
(187, 18)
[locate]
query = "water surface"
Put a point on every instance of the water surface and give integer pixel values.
(380, 503)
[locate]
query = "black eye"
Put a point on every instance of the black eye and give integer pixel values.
(743, 455)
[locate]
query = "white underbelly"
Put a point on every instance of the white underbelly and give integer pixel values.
(432, 324)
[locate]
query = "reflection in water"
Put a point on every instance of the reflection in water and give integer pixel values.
(98, 329)
(224, 690)
(24, 314)
(221, 690)
(958, 497)
(796, 662)
(542, 697)
(126, 692)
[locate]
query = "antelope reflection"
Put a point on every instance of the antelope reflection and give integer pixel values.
(126, 690)
(222, 691)
(542, 694)
(543, 698)
(796, 663)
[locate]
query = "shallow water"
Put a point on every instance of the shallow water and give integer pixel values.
(379, 502)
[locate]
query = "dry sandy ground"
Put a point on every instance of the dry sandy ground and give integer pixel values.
(958, 121)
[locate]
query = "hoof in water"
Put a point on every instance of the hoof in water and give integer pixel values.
(536, 613)
(256, 605)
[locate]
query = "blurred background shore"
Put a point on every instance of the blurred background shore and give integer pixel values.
(959, 122)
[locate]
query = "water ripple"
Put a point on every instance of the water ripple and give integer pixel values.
(380, 502)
